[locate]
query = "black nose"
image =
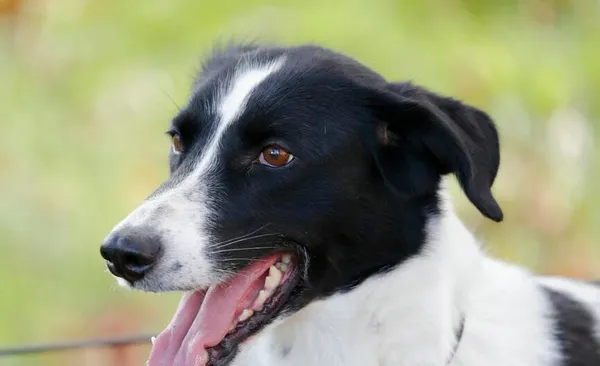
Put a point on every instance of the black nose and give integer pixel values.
(130, 256)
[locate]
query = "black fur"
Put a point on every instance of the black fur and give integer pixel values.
(453, 138)
(574, 329)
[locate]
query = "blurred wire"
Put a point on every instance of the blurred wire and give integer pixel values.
(67, 346)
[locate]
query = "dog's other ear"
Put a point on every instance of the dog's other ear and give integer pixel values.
(446, 135)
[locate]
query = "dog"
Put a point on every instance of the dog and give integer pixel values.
(306, 222)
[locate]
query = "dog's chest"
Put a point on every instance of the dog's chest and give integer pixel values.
(326, 333)
(270, 352)
(340, 331)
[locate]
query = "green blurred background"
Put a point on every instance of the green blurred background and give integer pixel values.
(88, 87)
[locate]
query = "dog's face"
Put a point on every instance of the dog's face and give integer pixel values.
(295, 173)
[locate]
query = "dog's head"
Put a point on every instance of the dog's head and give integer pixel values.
(295, 173)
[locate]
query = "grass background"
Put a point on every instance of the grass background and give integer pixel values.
(88, 87)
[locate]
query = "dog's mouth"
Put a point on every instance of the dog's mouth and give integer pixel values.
(209, 325)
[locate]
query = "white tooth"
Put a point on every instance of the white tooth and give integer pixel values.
(273, 271)
(247, 313)
(273, 279)
(260, 300)
(202, 358)
(232, 327)
(153, 339)
(281, 266)
(270, 283)
(286, 258)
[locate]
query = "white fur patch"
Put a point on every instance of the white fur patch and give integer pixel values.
(179, 213)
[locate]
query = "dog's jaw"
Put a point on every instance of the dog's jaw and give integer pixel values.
(410, 315)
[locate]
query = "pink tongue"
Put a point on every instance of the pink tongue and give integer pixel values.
(203, 319)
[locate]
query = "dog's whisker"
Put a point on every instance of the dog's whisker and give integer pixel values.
(245, 239)
(245, 235)
(233, 259)
(241, 249)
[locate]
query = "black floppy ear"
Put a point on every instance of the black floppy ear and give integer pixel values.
(446, 136)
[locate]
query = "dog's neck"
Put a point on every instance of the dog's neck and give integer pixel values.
(412, 313)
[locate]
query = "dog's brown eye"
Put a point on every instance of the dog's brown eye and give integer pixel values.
(177, 145)
(275, 156)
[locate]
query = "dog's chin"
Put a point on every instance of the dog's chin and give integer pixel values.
(211, 323)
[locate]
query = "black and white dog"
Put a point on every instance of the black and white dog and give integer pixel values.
(306, 220)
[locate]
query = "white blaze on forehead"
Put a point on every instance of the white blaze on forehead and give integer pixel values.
(232, 104)
(182, 219)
